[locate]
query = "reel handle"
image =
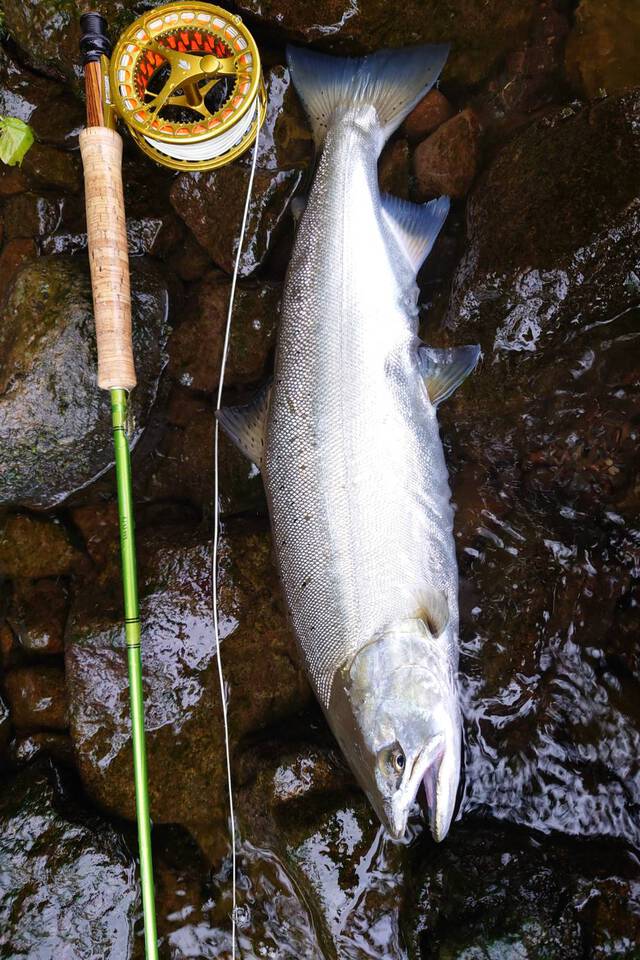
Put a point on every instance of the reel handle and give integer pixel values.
(101, 150)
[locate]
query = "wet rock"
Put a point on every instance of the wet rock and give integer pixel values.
(27, 748)
(59, 121)
(48, 167)
(47, 33)
(489, 892)
(195, 349)
(38, 614)
(211, 205)
(5, 725)
(98, 525)
(68, 884)
(601, 53)
(446, 163)
(184, 733)
(12, 181)
(190, 261)
(37, 698)
(393, 169)
(193, 906)
(32, 548)
(531, 78)
(14, 254)
(479, 35)
(432, 111)
(55, 425)
(9, 649)
(534, 238)
(546, 476)
(23, 92)
(28, 215)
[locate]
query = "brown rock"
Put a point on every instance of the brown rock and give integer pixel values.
(28, 747)
(447, 161)
(211, 205)
(98, 525)
(195, 349)
(38, 614)
(393, 169)
(14, 254)
(37, 698)
(184, 739)
(35, 548)
(27, 215)
(9, 650)
(602, 50)
(531, 78)
(54, 169)
(12, 181)
(189, 260)
(432, 111)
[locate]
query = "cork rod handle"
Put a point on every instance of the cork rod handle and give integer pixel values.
(101, 150)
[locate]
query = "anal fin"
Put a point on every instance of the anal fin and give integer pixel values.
(246, 424)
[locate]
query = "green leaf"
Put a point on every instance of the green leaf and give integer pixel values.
(16, 137)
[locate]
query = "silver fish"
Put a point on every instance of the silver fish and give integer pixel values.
(349, 446)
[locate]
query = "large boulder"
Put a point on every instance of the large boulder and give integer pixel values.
(68, 884)
(55, 424)
(545, 463)
(182, 696)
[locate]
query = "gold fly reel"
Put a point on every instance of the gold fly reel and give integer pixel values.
(186, 80)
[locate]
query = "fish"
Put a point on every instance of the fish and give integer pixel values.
(347, 439)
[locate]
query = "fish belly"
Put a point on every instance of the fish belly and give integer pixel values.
(354, 468)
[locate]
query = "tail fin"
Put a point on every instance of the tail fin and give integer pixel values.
(392, 81)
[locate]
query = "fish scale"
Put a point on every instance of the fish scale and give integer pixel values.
(354, 471)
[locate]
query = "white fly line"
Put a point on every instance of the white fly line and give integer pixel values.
(216, 538)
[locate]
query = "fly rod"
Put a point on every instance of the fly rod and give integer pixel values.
(101, 149)
(186, 81)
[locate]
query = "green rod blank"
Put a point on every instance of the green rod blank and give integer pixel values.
(132, 637)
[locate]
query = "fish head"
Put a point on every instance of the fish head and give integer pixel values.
(399, 724)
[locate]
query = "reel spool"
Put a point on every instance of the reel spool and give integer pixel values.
(186, 80)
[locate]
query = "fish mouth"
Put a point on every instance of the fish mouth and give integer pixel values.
(425, 771)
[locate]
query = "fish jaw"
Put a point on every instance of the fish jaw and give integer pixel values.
(399, 807)
(399, 694)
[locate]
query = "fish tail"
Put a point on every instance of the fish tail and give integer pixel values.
(392, 81)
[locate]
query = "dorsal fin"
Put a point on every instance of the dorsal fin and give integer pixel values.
(246, 425)
(415, 225)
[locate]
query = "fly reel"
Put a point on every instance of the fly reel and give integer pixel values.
(186, 80)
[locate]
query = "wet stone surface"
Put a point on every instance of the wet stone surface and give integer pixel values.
(184, 733)
(55, 427)
(68, 883)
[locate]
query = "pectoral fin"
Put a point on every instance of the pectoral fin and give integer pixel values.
(433, 610)
(246, 425)
(444, 370)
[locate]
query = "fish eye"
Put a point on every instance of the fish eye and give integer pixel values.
(398, 761)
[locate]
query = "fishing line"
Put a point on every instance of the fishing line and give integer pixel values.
(216, 538)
